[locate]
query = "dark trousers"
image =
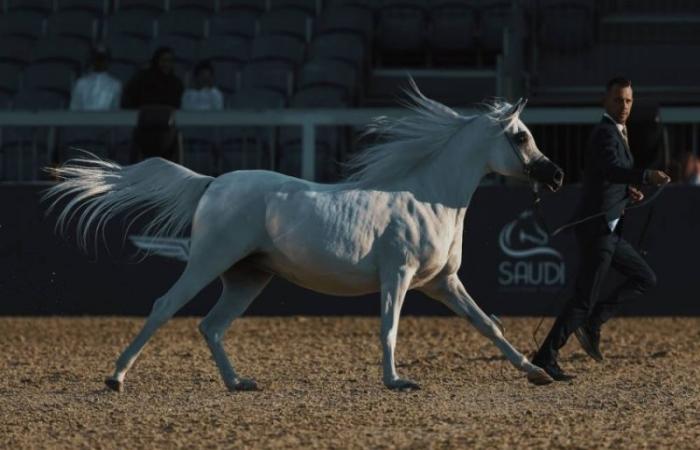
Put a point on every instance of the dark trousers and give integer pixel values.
(600, 250)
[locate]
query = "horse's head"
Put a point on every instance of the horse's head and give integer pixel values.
(515, 153)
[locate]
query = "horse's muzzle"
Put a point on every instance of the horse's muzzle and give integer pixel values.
(546, 172)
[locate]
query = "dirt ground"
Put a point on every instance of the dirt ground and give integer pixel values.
(321, 381)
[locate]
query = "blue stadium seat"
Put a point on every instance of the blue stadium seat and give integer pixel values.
(230, 49)
(29, 25)
(401, 33)
(16, 51)
(191, 24)
(257, 98)
(38, 99)
(44, 7)
(320, 96)
(80, 25)
(97, 7)
(205, 6)
(340, 46)
(129, 50)
(50, 76)
(62, 50)
(328, 72)
(277, 47)
(234, 23)
(287, 22)
(452, 35)
(152, 6)
(310, 7)
(255, 6)
(274, 75)
(347, 19)
(138, 24)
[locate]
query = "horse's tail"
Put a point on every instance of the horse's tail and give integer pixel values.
(96, 191)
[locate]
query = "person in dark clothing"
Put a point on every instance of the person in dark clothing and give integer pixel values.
(609, 174)
(155, 85)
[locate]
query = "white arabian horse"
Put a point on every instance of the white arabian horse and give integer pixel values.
(395, 224)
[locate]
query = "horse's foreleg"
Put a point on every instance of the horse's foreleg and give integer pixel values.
(241, 286)
(164, 308)
(452, 293)
(394, 289)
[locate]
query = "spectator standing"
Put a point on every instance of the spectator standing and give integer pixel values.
(204, 96)
(97, 90)
(155, 85)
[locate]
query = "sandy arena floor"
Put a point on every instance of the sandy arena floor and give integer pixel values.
(321, 387)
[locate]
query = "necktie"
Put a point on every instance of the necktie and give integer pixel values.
(624, 136)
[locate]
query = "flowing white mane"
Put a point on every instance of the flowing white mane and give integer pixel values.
(407, 142)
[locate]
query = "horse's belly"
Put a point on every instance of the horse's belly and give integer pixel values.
(322, 275)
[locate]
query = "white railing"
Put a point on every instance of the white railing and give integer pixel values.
(308, 120)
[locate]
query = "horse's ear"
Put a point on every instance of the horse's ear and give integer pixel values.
(517, 108)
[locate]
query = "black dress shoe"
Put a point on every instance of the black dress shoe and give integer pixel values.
(590, 342)
(554, 371)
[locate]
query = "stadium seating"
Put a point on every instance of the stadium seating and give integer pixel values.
(205, 6)
(329, 72)
(152, 6)
(453, 32)
(15, 51)
(26, 24)
(81, 25)
(255, 6)
(238, 23)
(44, 7)
(97, 8)
(133, 23)
(274, 75)
(287, 22)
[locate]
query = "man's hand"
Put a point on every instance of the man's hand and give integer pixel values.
(635, 194)
(658, 177)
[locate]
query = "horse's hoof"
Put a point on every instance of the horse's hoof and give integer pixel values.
(115, 385)
(243, 384)
(402, 385)
(539, 377)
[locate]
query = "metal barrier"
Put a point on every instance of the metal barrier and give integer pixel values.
(683, 121)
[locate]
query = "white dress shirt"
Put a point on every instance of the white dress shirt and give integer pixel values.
(620, 127)
(96, 91)
(205, 99)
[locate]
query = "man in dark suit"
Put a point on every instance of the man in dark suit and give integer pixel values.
(609, 176)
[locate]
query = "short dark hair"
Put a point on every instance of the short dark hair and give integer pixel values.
(618, 81)
(160, 51)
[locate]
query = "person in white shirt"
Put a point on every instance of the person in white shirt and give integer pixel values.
(97, 90)
(203, 96)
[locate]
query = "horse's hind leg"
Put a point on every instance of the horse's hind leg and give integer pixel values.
(241, 284)
(195, 277)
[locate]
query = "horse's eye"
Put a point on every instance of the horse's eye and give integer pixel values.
(520, 137)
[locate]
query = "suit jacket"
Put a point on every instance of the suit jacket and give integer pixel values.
(608, 170)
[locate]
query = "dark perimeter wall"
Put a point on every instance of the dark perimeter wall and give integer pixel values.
(508, 266)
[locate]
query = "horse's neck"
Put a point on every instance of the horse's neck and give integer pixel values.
(452, 176)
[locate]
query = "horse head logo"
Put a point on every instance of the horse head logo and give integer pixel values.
(524, 237)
